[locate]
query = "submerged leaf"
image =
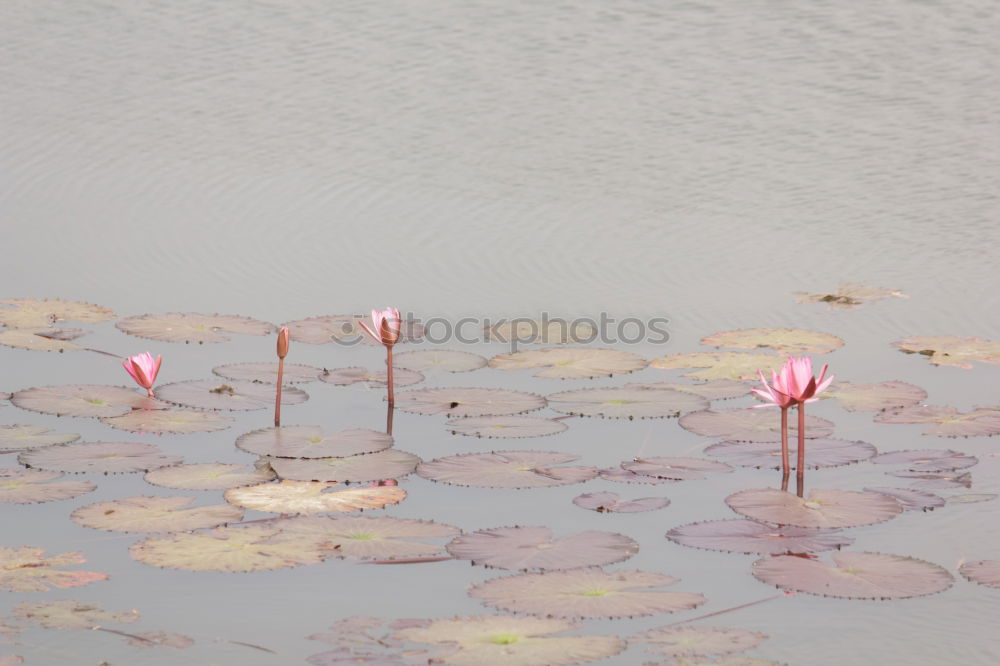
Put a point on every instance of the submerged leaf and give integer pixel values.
(101, 457)
(571, 362)
(232, 395)
(610, 503)
(952, 350)
(505, 427)
(822, 508)
(17, 437)
(84, 400)
(207, 476)
(697, 641)
(506, 469)
(154, 514)
(874, 397)
(455, 402)
(192, 327)
(750, 425)
(24, 569)
(70, 614)
(387, 464)
(749, 536)
(312, 442)
(433, 359)
(39, 313)
(721, 365)
(821, 452)
(790, 341)
(173, 421)
(27, 486)
(524, 548)
(267, 373)
(292, 497)
(630, 403)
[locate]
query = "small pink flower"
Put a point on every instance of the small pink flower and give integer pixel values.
(143, 369)
(793, 384)
(386, 326)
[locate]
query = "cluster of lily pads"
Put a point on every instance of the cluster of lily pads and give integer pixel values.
(313, 478)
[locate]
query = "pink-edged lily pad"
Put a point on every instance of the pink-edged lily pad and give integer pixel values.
(505, 427)
(586, 594)
(357, 375)
(29, 486)
(791, 341)
(910, 500)
(620, 475)
(100, 457)
(535, 548)
(154, 514)
(192, 327)
(749, 536)
(506, 469)
(432, 359)
(90, 400)
(612, 503)
(952, 350)
(721, 365)
(267, 373)
(387, 464)
(984, 572)
(70, 614)
(25, 569)
(822, 508)
(312, 442)
(688, 641)
(230, 394)
(717, 389)
(571, 362)
(855, 575)
(626, 403)
(307, 497)
(750, 425)
(43, 312)
(947, 421)
(875, 397)
(344, 329)
(676, 469)
(935, 480)
(821, 452)
(208, 476)
(927, 460)
(173, 421)
(18, 437)
(369, 538)
(461, 402)
(849, 295)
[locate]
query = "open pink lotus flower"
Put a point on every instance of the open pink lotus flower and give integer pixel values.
(793, 384)
(143, 369)
(386, 326)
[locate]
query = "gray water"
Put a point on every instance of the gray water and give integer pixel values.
(698, 161)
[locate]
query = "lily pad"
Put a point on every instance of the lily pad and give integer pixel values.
(586, 594)
(620, 475)
(790, 341)
(459, 402)
(611, 503)
(306, 497)
(344, 329)
(717, 389)
(721, 365)
(431, 359)
(854, 575)
(94, 400)
(28, 486)
(38, 339)
(970, 498)
(821, 452)
(192, 327)
(40, 313)
(207, 476)
(150, 639)
(24, 569)
(387, 464)
(267, 373)
(524, 548)
(506, 469)
(505, 427)
(18, 437)
(933, 480)
(849, 295)
(749, 536)
(927, 460)
(822, 508)
(500, 640)
(312, 442)
(626, 403)
(984, 572)
(364, 538)
(154, 514)
(698, 641)
(70, 614)
(910, 500)
(571, 362)
(552, 332)
(173, 421)
(101, 457)
(875, 397)
(952, 350)
(356, 375)
(677, 469)
(750, 425)
(232, 395)
(947, 421)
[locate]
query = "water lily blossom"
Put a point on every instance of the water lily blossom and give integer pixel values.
(776, 394)
(385, 330)
(143, 369)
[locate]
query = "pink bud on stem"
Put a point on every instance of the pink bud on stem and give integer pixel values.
(282, 353)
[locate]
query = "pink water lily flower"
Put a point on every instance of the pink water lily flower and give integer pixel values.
(386, 326)
(143, 369)
(801, 385)
(776, 394)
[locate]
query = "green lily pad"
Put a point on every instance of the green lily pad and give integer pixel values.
(750, 425)
(18, 437)
(433, 359)
(43, 313)
(952, 350)
(192, 327)
(789, 341)
(38, 339)
(947, 421)
(173, 421)
(89, 400)
(721, 365)
(28, 486)
(697, 641)
(154, 514)
(307, 497)
(24, 569)
(387, 464)
(208, 476)
(571, 362)
(875, 397)
(849, 295)
(231, 394)
(365, 538)
(535, 548)
(100, 457)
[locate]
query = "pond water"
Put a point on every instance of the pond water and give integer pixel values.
(693, 161)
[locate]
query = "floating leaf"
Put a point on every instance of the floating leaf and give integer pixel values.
(150, 639)
(356, 375)
(37, 339)
(677, 469)
(630, 403)
(952, 350)
(229, 549)
(84, 400)
(823, 508)
(571, 362)
(207, 476)
(192, 327)
(698, 641)
(927, 460)
(611, 503)
(947, 421)
(345, 657)
(505, 427)
(154, 514)
(910, 500)
(553, 332)
(984, 572)
(970, 498)
(232, 395)
(748, 536)
(26, 486)
(875, 397)
(430, 359)
(821, 452)
(717, 389)
(101, 457)
(619, 475)
(312, 497)
(849, 295)
(365, 538)
(506, 469)
(387, 464)
(855, 575)
(455, 402)
(500, 640)
(173, 421)
(17, 437)
(524, 548)
(24, 569)
(790, 341)
(721, 365)
(730, 660)
(936, 480)
(267, 373)
(70, 614)
(750, 425)
(39, 313)
(585, 594)
(312, 442)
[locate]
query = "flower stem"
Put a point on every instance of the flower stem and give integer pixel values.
(785, 468)
(277, 394)
(800, 469)
(388, 383)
